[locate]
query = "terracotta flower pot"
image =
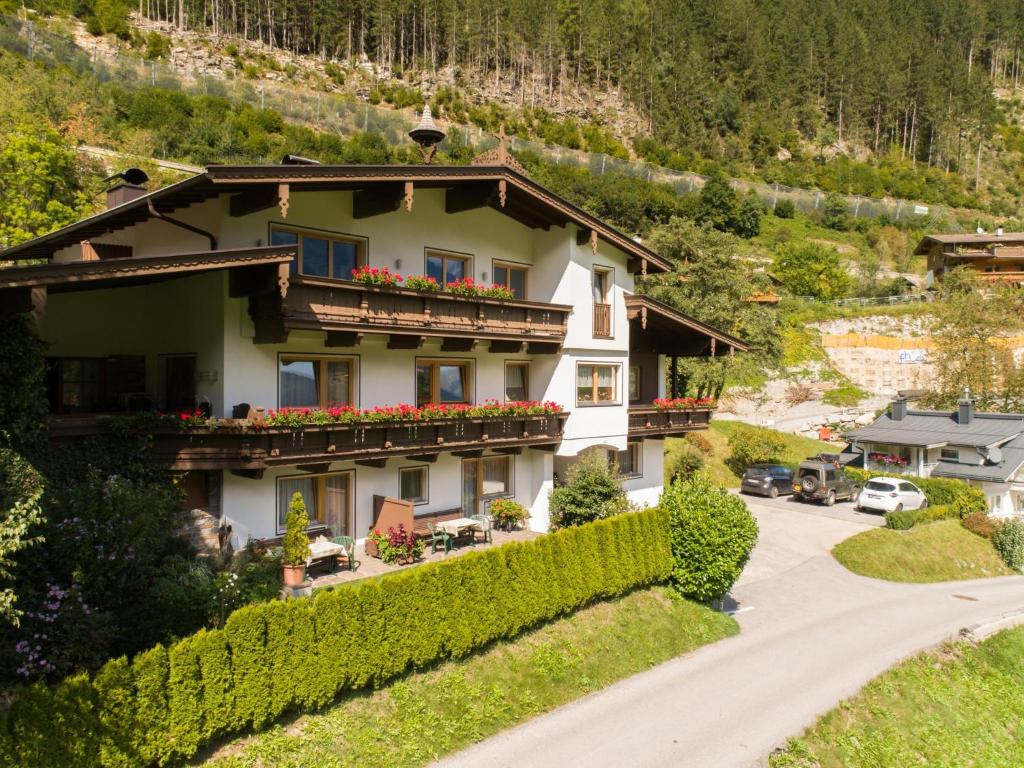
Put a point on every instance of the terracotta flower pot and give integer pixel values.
(294, 575)
(372, 549)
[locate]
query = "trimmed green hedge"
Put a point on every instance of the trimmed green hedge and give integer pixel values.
(300, 654)
(908, 518)
(940, 491)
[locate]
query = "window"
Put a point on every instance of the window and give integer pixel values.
(322, 255)
(512, 277)
(412, 483)
(597, 384)
(315, 382)
(96, 384)
(485, 479)
(447, 267)
(602, 279)
(634, 383)
(627, 461)
(602, 305)
(950, 454)
(908, 488)
(517, 381)
(326, 497)
(442, 381)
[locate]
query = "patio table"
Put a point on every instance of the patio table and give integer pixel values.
(459, 525)
(322, 548)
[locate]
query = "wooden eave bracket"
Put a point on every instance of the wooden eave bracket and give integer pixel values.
(283, 193)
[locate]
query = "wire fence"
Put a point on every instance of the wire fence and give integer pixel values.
(343, 113)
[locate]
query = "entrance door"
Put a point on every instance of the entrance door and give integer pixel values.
(470, 487)
(180, 382)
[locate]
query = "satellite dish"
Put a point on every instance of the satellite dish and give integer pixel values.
(992, 455)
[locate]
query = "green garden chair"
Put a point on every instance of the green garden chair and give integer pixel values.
(439, 536)
(350, 551)
(485, 526)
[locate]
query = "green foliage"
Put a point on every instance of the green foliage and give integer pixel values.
(1008, 539)
(754, 446)
(980, 523)
(507, 514)
(21, 488)
(713, 534)
(23, 407)
(684, 465)
(903, 520)
(784, 209)
(296, 541)
(846, 395)
(590, 492)
(810, 269)
(961, 498)
(907, 518)
(291, 655)
(157, 46)
(834, 215)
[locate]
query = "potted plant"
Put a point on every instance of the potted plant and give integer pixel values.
(506, 514)
(374, 540)
(296, 542)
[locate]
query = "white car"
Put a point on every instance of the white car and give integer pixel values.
(886, 494)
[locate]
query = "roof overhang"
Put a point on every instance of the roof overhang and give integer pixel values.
(657, 327)
(499, 187)
(21, 288)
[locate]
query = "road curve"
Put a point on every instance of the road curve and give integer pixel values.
(812, 634)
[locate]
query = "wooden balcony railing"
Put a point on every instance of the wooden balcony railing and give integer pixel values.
(602, 321)
(648, 421)
(235, 446)
(346, 306)
(1001, 277)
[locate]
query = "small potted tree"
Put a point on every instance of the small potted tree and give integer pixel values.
(296, 542)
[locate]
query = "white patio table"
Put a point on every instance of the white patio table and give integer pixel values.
(459, 525)
(321, 548)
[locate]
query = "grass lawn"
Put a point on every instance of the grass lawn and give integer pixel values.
(429, 714)
(957, 706)
(797, 449)
(940, 551)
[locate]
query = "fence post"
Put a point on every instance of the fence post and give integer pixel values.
(817, 199)
(775, 194)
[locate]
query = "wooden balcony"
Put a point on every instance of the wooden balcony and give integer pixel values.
(602, 321)
(347, 309)
(1001, 277)
(648, 421)
(233, 445)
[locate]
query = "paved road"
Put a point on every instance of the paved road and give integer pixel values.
(812, 634)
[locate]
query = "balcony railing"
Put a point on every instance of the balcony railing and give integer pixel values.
(342, 305)
(649, 421)
(602, 321)
(236, 445)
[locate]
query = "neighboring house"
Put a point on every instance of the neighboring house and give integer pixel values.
(983, 449)
(996, 256)
(231, 291)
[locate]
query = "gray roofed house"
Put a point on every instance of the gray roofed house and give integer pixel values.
(983, 449)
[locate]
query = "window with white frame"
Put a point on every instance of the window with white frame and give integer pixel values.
(597, 383)
(517, 380)
(327, 498)
(628, 461)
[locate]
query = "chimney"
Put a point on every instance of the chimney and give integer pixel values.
(129, 187)
(965, 408)
(898, 409)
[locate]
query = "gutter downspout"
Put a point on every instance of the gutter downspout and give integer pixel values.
(174, 222)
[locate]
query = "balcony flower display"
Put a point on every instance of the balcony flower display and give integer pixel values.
(467, 286)
(346, 414)
(683, 403)
(887, 459)
(381, 277)
(422, 283)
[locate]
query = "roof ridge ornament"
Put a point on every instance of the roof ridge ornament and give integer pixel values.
(499, 155)
(427, 134)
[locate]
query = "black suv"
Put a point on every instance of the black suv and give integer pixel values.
(822, 479)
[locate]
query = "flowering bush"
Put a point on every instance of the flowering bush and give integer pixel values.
(888, 459)
(422, 283)
(379, 276)
(683, 403)
(346, 414)
(467, 286)
(398, 545)
(507, 514)
(193, 418)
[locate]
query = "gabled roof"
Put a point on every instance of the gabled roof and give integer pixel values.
(1012, 461)
(500, 187)
(972, 238)
(939, 428)
(672, 332)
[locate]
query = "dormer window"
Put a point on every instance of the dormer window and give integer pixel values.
(322, 254)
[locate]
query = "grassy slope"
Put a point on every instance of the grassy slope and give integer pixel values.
(428, 714)
(958, 706)
(797, 449)
(942, 551)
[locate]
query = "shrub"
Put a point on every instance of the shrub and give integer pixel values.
(981, 524)
(754, 446)
(903, 520)
(507, 514)
(785, 209)
(296, 540)
(290, 655)
(700, 442)
(712, 534)
(1008, 539)
(685, 465)
(592, 491)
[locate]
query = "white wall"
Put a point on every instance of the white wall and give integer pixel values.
(249, 506)
(646, 490)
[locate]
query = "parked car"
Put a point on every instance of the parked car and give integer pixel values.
(884, 494)
(823, 481)
(767, 480)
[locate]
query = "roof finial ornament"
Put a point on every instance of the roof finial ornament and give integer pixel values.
(427, 135)
(499, 155)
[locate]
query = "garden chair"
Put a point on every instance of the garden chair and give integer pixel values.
(350, 551)
(439, 536)
(485, 526)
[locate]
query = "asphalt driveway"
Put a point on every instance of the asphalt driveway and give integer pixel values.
(812, 634)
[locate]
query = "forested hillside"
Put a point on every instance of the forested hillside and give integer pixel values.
(898, 96)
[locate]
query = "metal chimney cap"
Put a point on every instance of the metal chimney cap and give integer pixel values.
(427, 134)
(135, 176)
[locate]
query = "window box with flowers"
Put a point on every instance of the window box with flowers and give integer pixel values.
(684, 403)
(396, 547)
